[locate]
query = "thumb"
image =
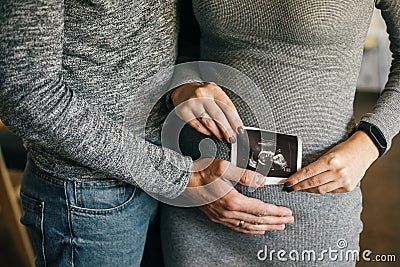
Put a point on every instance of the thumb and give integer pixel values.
(244, 176)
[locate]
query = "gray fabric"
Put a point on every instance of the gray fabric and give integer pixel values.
(77, 80)
(305, 56)
(189, 238)
(386, 114)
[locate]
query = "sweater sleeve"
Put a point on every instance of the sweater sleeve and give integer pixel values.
(38, 106)
(386, 113)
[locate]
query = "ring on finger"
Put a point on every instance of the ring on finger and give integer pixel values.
(203, 83)
(203, 115)
(240, 224)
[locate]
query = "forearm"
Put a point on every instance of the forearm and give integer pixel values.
(386, 114)
(365, 147)
(38, 106)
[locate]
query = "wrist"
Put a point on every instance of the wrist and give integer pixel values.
(374, 133)
(365, 145)
(196, 177)
(201, 172)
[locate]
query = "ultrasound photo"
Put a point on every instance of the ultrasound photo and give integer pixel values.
(272, 154)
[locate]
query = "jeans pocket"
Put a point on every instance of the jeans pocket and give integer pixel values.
(102, 196)
(33, 218)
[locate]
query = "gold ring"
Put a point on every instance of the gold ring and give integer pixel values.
(240, 224)
(204, 115)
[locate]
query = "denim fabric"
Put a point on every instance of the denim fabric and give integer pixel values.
(85, 222)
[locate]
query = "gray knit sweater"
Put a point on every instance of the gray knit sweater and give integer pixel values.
(72, 72)
(76, 83)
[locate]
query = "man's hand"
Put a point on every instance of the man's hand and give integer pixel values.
(209, 185)
(339, 170)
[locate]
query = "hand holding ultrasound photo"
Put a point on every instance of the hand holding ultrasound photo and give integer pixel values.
(275, 155)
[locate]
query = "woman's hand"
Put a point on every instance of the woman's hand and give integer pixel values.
(339, 170)
(207, 109)
(222, 203)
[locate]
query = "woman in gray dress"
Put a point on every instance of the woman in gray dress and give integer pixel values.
(305, 57)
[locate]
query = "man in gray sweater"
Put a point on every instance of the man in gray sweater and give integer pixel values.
(76, 83)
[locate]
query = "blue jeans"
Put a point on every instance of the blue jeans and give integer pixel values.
(84, 222)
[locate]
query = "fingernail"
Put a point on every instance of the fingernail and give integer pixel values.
(287, 187)
(232, 139)
(260, 180)
(287, 184)
(240, 130)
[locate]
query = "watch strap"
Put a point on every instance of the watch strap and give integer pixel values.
(374, 133)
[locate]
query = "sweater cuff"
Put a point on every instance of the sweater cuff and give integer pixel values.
(370, 118)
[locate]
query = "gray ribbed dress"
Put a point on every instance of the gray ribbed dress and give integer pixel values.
(305, 57)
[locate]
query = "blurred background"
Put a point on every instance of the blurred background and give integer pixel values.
(381, 212)
(381, 202)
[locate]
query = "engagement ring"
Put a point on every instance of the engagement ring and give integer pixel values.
(203, 115)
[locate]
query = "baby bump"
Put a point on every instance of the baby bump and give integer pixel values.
(332, 210)
(322, 223)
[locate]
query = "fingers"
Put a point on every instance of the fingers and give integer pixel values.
(232, 225)
(309, 171)
(309, 176)
(340, 190)
(230, 207)
(206, 117)
(231, 113)
(212, 169)
(330, 173)
(331, 187)
(212, 127)
(236, 216)
(316, 181)
(241, 223)
(224, 112)
(243, 176)
(230, 211)
(198, 126)
(188, 116)
(234, 201)
(247, 226)
(220, 120)
(244, 229)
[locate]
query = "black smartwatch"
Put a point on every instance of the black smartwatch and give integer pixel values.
(374, 133)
